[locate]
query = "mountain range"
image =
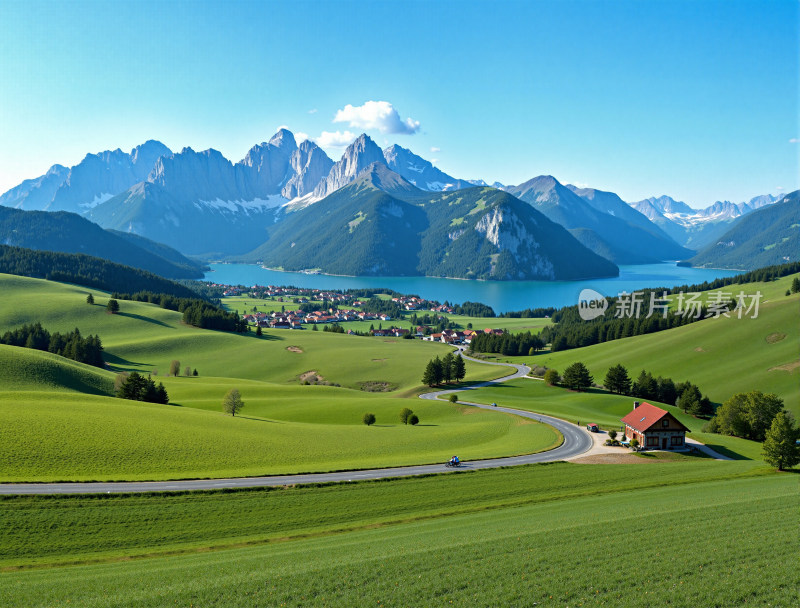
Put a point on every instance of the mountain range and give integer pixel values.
(204, 205)
(768, 236)
(698, 228)
(382, 225)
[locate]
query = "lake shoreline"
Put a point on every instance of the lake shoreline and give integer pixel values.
(502, 296)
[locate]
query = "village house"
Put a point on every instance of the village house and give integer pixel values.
(654, 428)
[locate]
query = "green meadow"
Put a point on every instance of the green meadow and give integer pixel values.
(611, 540)
(60, 421)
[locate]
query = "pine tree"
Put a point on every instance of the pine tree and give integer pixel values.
(459, 368)
(447, 367)
(429, 376)
(780, 445)
(112, 306)
(617, 380)
(90, 299)
(577, 377)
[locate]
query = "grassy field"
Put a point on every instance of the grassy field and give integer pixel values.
(722, 356)
(59, 421)
(711, 544)
(75, 529)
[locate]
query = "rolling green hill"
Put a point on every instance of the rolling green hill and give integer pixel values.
(478, 233)
(61, 424)
(768, 236)
(23, 369)
(70, 233)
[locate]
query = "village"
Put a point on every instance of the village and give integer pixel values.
(344, 308)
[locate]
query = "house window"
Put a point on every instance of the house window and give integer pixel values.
(665, 423)
(652, 441)
(677, 440)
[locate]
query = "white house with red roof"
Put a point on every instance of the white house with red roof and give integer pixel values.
(654, 428)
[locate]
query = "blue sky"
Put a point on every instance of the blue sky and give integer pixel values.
(698, 100)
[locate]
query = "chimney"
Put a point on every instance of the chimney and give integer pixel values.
(635, 404)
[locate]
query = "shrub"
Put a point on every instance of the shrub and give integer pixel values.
(538, 371)
(612, 434)
(453, 398)
(634, 443)
(413, 420)
(551, 377)
(369, 419)
(405, 413)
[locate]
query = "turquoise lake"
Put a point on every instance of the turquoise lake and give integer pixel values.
(500, 295)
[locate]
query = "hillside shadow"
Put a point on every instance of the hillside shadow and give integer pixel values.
(119, 362)
(143, 318)
(719, 449)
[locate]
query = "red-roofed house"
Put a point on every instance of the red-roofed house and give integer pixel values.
(654, 428)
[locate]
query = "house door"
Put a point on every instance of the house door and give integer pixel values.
(663, 443)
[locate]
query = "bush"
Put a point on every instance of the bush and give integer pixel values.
(369, 419)
(405, 414)
(634, 443)
(414, 420)
(612, 434)
(551, 377)
(453, 398)
(538, 371)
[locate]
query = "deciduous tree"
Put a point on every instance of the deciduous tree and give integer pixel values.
(232, 402)
(369, 419)
(174, 368)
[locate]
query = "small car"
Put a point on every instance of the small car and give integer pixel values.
(592, 428)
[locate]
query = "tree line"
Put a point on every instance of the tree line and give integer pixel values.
(507, 344)
(445, 369)
(71, 345)
(84, 270)
(685, 395)
(195, 311)
(136, 387)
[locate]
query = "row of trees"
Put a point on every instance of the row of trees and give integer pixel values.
(83, 270)
(507, 344)
(137, 387)
(446, 369)
(71, 345)
(195, 311)
(685, 395)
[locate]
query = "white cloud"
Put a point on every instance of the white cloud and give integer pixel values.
(778, 188)
(379, 115)
(282, 127)
(434, 149)
(434, 161)
(300, 137)
(794, 140)
(312, 111)
(335, 139)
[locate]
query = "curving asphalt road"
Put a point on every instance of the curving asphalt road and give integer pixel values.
(576, 441)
